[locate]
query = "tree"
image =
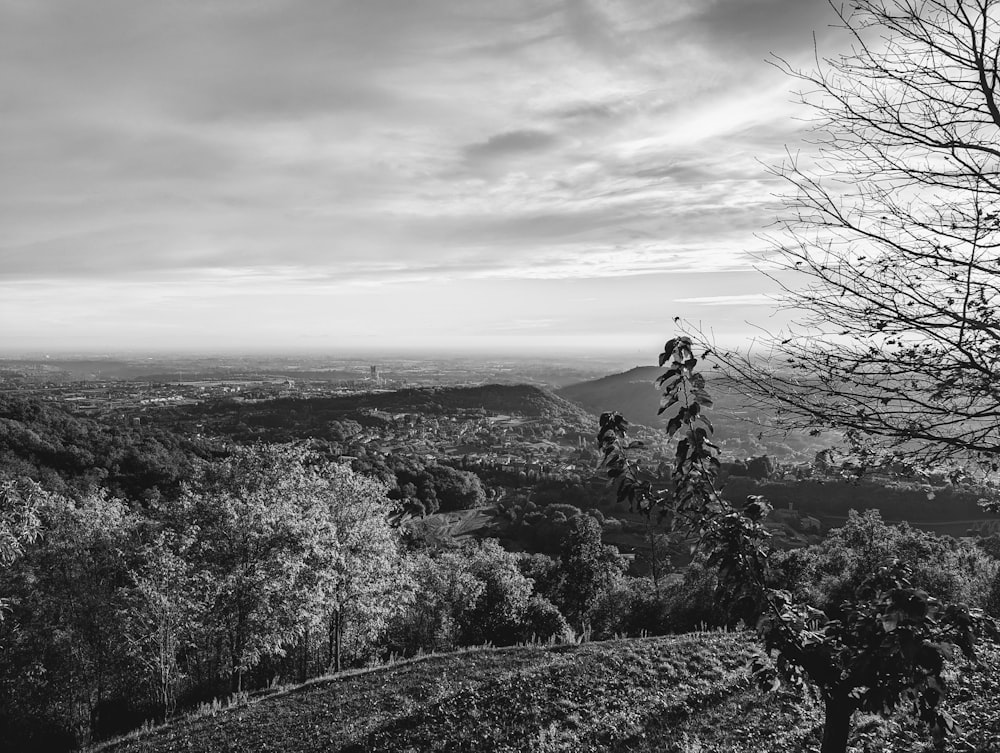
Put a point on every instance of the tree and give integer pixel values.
(888, 643)
(161, 614)
(455, 489)
(588, 568)
(65, 658)
(888, 248)
(259, 517)
(760, 468)
(943, 567)
(19, 523)
(444, 590)
(497, 614)
(365, 579)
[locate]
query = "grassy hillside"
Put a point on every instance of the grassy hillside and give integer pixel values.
(675, 694)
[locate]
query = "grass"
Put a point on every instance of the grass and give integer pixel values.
(676, 694)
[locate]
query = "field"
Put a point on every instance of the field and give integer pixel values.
(678, 694)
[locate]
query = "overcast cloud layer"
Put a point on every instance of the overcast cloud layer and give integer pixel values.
(324, 174)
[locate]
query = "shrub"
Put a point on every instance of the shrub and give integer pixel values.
(543, 621)
(831, 572)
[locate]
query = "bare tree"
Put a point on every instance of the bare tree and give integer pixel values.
(888, 248)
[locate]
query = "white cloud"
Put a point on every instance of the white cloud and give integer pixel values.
(746, 299)
(269, 148)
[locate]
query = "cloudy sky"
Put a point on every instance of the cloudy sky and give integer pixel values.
(508, 175)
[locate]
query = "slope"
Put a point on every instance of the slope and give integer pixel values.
(743, 429)
(673, 693)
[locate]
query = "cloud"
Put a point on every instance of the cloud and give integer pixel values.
(745, 299)
(291, 146)
(510, 143)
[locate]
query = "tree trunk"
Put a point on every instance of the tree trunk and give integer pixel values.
(334, 633)
(338, 633)
(304, 663)
(654, 565)
(329, 644)
(837, 725)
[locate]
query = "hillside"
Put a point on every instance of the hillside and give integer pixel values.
(674, 693)
(49, 443)
(631, 393)
(741, 428)
(304, 414)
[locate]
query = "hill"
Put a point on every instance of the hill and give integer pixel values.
(46, 442)
(631, 393)
(742, 429)
(303, 415)
(673, 693)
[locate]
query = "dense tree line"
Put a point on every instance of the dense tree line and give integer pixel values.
(286, 419)
(271, 564)
(264, 563)
(275, 564)
(144, 461)
(69, 453)
(906, 500)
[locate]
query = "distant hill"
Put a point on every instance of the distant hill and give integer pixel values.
(522, 400)
(634, 395)
(741, 427)
(672, 693)
(631, 393)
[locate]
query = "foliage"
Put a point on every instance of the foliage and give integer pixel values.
(259, 516)
(364, 579)
(121, 613)
(992, 602)
(888, 245)
(474, 594)
(543, 571)
(833, 570)
(496, 614)
(587, 568)
(629, 607)
(65, 658)
(18, 521)
(75, 454)
(18, 517)
(886, 646)
(542, 621)
(160, 613)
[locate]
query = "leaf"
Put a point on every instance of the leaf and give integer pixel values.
(666, 401)
(668, 350)
(673, 425)
(665, 376)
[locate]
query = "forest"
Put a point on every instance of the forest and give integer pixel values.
(149, 571)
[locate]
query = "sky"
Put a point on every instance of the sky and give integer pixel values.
(541, 176)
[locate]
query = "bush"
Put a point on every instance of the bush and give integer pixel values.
(543, 571)
(830, 572)
(543, 621)
(631, 608)
(692, 603)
